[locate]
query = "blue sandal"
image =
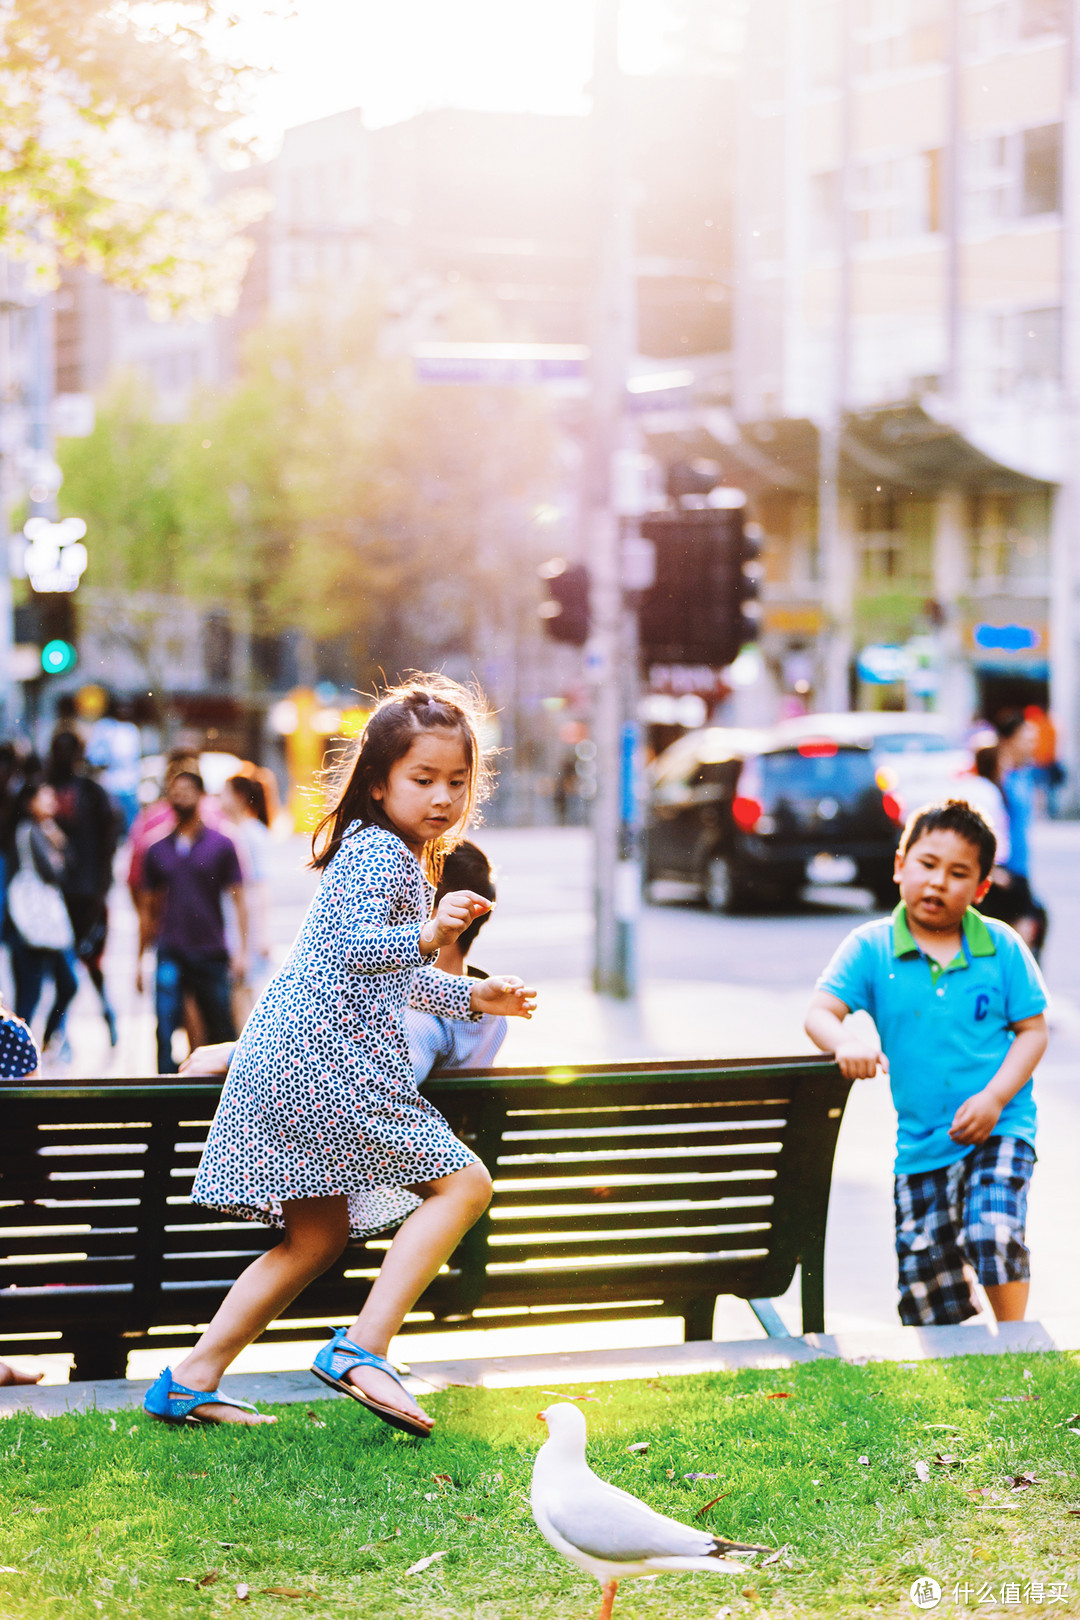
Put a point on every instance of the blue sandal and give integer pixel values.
(171, 1402)
(337, 1359)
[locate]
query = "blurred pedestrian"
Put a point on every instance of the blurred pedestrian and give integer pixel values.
(566, 795)
(1047, 770)
(1015, 752)
(982, 790)
(243, 800)
(86, 816)
(114, 748)
(8, 789)
(187, 872)
(153, 820)
(437, 1042)
(37, 927)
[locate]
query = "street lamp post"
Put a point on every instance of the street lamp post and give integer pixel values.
(611, 654)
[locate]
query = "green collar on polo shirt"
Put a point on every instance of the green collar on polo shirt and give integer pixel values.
(977, 937)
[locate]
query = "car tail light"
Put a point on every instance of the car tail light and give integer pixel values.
(746, 813)
(892, 807)
(886, 778)
(747, 806)
(817, 748)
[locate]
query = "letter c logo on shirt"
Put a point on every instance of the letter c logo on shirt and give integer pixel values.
(982, 1005)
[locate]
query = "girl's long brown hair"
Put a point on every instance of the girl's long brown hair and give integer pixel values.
(421, 703)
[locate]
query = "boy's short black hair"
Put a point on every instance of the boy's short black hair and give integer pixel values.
(952, 815)
(467, 867)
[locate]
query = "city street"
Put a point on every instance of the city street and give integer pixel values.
(711, 986)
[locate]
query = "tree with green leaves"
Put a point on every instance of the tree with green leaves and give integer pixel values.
(109, 113)
(326, 492)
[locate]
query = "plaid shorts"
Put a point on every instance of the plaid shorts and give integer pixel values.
(969, 1213)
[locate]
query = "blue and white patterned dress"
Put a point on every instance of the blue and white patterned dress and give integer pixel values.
(320, 1097)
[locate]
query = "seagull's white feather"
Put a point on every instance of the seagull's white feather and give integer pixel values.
(603, 1529)
(607, 1523)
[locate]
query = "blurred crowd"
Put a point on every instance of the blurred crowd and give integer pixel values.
(89, 813)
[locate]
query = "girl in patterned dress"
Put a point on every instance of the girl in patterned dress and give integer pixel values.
(320, 1129)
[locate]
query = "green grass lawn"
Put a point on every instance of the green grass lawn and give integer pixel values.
(113, 1515)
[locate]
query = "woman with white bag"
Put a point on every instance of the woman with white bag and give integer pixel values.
(37, 928)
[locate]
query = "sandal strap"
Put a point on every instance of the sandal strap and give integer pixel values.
(191, 1398)
(345, 1355)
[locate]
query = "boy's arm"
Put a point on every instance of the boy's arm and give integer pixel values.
(975, 1119)
(859, 1059)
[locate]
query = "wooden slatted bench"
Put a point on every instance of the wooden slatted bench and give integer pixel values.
(623, 1190)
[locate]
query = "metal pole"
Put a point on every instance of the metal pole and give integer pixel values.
(10, 707)
(612, 342)
(836, 567)
(1065, 537)
(951, 221)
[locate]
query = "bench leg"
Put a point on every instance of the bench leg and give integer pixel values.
(97, 1355)
(769, 1317)
(698, 1318)
(813, 1290)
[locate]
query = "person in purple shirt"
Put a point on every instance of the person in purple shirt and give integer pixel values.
(187, 871)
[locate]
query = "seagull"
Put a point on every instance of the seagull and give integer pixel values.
(605, 1531)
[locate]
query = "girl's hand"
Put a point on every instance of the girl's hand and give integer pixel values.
(208, 1060)
(456, 911)
(507, 997)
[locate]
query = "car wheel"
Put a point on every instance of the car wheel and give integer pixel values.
(723, 892)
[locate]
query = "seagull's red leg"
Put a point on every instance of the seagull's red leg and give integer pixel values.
(608, 1602)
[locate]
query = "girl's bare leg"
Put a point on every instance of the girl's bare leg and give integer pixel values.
(316, 1230)
(423, 1243)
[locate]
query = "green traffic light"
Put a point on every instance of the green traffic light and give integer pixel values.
(57, 657)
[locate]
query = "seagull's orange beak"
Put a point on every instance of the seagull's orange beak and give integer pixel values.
(542, 1417)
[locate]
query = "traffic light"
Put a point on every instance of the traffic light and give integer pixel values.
(565, 611)
(702, 608)
(48, 621)
(57, 657)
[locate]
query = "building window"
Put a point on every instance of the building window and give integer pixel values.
(889, 35)
(1039, 345)
(1041, 170)
(825, 211)
(992, 26)
(1009, 538)
(897, 197)
(895, 544)
(1015, 349)
(1014, 176)
(1043, 17)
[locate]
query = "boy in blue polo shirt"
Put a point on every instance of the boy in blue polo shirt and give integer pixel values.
(959, 1005)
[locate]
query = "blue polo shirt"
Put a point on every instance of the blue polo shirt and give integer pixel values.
(944, 1030)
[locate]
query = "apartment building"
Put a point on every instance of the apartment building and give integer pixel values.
(903, 414)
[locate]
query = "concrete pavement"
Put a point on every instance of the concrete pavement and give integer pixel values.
(592, 1366)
